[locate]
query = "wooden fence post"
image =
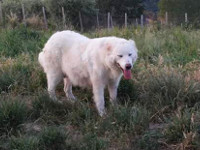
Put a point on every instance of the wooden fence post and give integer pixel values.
(63, 15)
(125, 20)
(45, 19)
(108, 20)
(97, 20)
(1, 14)
(166, 18)
(81, 23)
(186, 18)
(24, 16)
(136, 20)
(142, 21)
(111, 21)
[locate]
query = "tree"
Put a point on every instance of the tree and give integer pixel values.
(133, 8)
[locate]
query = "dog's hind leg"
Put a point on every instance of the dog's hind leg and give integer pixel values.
(53, 80)
(68, 89)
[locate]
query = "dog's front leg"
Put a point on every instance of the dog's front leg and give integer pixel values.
(112, 89)
(98, 91)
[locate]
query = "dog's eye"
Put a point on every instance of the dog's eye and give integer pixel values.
(129, 54)
(120, 55)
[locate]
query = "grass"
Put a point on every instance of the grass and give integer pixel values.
(12, 114)
(158, 108)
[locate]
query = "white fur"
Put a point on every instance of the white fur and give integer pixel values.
(84, 62)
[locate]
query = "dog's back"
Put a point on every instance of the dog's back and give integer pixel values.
(60, 42)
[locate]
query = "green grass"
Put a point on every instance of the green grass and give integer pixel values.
(158, 108)
(13, 112)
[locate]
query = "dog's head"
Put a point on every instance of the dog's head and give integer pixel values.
(123, 55)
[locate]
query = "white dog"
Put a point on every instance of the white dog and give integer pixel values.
(84, 62)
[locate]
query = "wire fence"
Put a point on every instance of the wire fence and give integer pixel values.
(82, 21)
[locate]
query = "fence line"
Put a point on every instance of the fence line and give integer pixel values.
(142, 21)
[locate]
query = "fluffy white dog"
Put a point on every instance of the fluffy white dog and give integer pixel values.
(81, 61)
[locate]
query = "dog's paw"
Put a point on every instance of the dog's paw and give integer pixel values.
(102, 113)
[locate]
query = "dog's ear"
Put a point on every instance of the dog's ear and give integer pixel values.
(133, 43)
(108, 47)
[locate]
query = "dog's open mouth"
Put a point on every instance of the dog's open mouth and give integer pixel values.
(126, 73)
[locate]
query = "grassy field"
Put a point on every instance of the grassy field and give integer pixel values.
(158, 109)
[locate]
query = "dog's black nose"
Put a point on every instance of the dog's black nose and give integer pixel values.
(128, 66)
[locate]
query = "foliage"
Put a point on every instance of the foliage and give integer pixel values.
(133, 8)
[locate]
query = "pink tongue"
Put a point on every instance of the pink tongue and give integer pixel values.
(127, 74)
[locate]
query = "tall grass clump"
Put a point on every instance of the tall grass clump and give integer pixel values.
(167, 87)
(53, 138)
(12, 114)
(21, 40)
(150, 141)
(45, 107)
(24, 143)
(184, 129)
(91, 141)
(126, 90)
(131, 120)
(21, 75)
